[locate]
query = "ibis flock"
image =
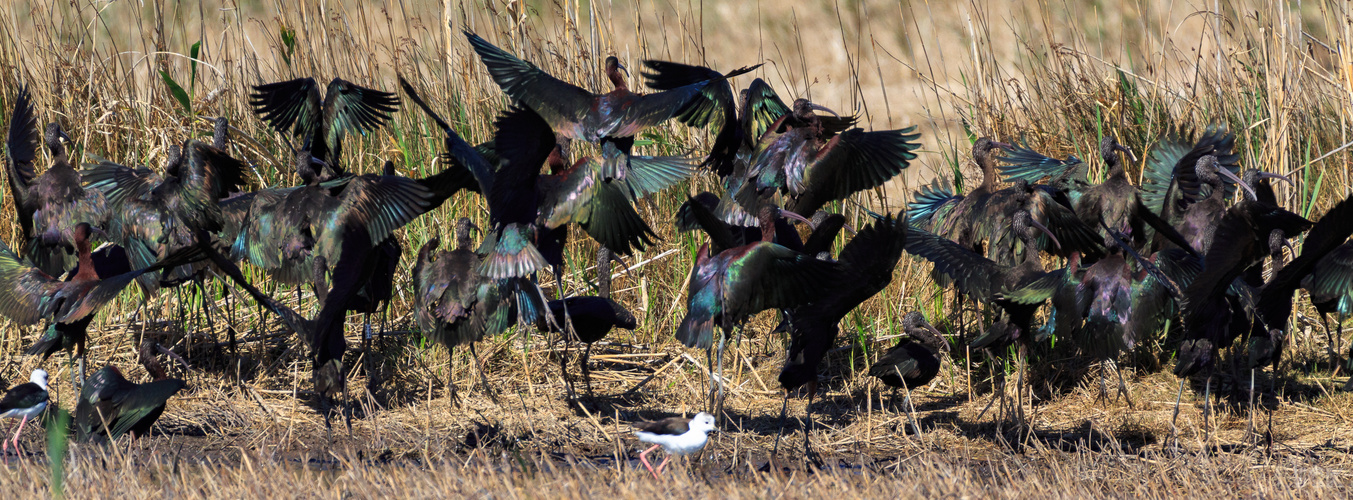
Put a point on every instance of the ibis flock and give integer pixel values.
(1043, 249)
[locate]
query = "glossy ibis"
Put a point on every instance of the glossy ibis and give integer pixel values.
(455, 303)
(588, 319)
(28, 295)
(676, 435)
(728, 287)
(49, 206)
(154, 215)
(964, 222)
(1198, 222)
(1169, 179)
(1217, 306)
(605, 209)
(813, 169)
(24, 401)
(714, 102)
(616, 116)
(984, 280)
(296, 107)
(111, 406)
(522, 141)
(912, 362)
(864, 269)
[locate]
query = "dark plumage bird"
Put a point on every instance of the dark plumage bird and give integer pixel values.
(1169, 179)
(523, 141)
(28, 295)
(728, 287)
(962, 221)
(456, 304)
(616, 116)
(605, 208)
(25, 402)
(49, 206)
(588, 319)
(798, 158)
(154, 215)
(743, 121)
(1198, 222)
(984, 279)
(295, 107)
(912, 362)
(1319, 267)
(111, 406)
(864, 269)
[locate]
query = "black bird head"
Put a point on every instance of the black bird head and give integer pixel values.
(984, 147)
(1027, 228)
(613, 69)
(1109, 148)
(463, 227)
(53, 137)
(915, 326)
(804, 110)
(1210, 172)
(173, 157)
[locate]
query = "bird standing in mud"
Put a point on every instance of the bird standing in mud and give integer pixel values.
(25, 402)
(676, 435)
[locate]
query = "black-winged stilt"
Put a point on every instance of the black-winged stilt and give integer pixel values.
(25, 401)
(676, 435)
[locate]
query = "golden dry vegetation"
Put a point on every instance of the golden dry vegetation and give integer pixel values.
(1056, 74)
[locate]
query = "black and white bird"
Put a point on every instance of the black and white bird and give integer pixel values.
(676, 435)
(25, 401)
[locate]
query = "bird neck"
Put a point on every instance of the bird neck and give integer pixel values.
(59, 154)
(988, 166)
(617, 79)
(87, 272)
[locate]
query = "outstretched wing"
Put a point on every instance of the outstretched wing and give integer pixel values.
(290, 107)
(562, 105)
(23, 288)
(854, 161)
(21, 148)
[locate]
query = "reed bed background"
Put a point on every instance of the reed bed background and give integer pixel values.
(1056, 75)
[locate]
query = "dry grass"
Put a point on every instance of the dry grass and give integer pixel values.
(1046, 71)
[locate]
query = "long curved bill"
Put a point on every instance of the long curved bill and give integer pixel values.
(820, 107)
(791, 215)
(1226, 172)
(1271, 175)
(1045, 230)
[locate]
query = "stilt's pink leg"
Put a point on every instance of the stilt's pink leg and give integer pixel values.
(664, 463)
(5, 449)
(16, 436)
(643, 458)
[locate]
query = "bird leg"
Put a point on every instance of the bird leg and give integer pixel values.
(1329, 344)
(1174, 430)
(5, 449)
(643, 458)
(450, 382)
(780, 430)
(1019, 386)
(911, 411)
(16, 435)
(664, 463)
(808, 452)
(587, 372)
(483, 379)
(1122, 385)
(1207, 406)
(563, 353)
